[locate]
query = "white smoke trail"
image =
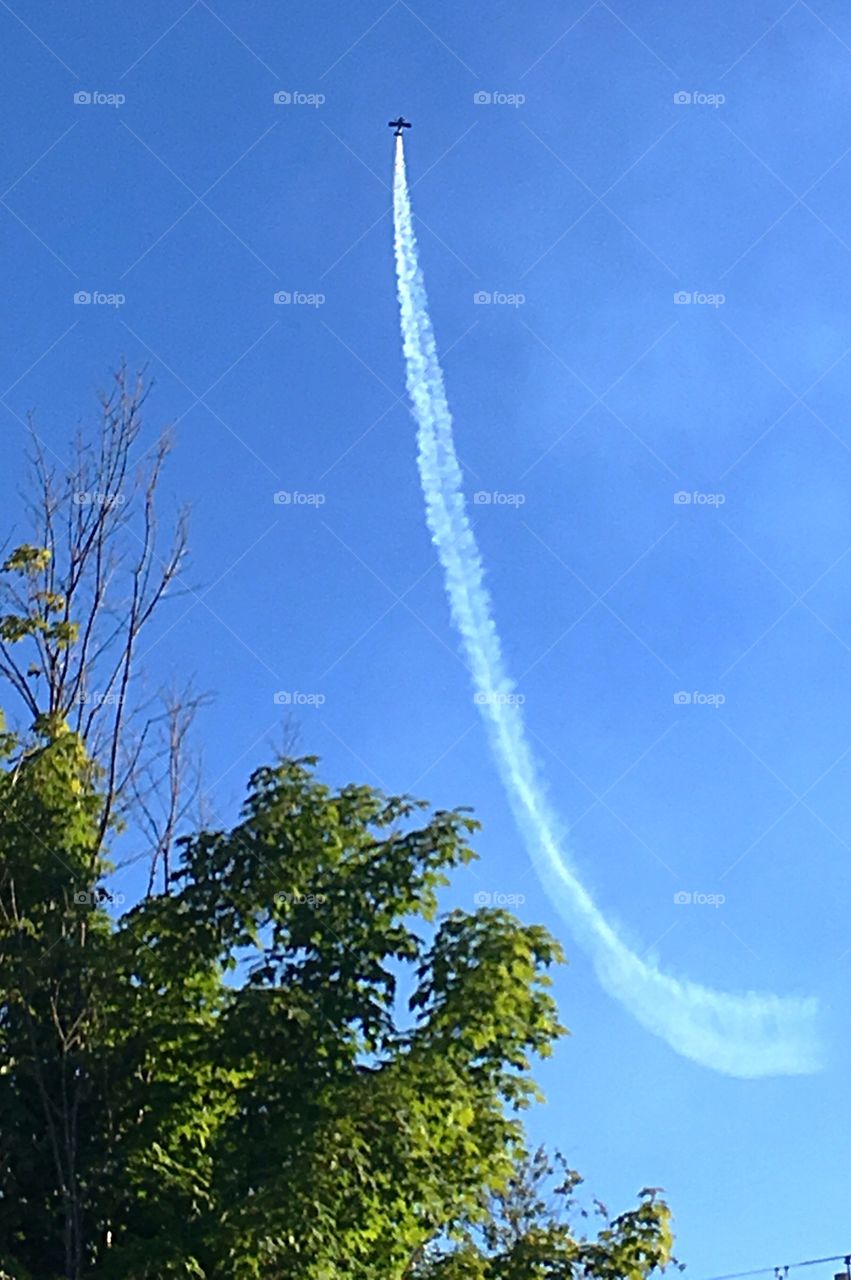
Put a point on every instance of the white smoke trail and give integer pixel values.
(747, 1034)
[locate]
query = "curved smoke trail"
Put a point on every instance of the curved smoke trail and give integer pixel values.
(748, 1034)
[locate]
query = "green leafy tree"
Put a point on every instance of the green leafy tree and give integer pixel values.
(529, 1232)
(286, 1063)
(287, 1066)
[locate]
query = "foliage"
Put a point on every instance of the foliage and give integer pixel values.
(287, 1066)
(528, 1233)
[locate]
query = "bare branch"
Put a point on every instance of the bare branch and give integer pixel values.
(73, 616)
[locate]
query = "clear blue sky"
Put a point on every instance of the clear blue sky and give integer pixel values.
(596, 399)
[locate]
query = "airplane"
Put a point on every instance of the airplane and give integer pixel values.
(398, 125)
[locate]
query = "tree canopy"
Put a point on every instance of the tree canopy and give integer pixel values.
(286, 1065)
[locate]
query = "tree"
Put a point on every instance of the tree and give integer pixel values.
(529, 1233)
(283, 1063)
(228, 1081)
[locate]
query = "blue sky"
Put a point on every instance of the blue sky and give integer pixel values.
(585, 408)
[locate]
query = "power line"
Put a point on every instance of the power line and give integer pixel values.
(767, 1271)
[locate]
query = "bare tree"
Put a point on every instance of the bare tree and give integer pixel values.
(74, 603)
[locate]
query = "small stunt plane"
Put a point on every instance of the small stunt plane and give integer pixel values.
(398, 125)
